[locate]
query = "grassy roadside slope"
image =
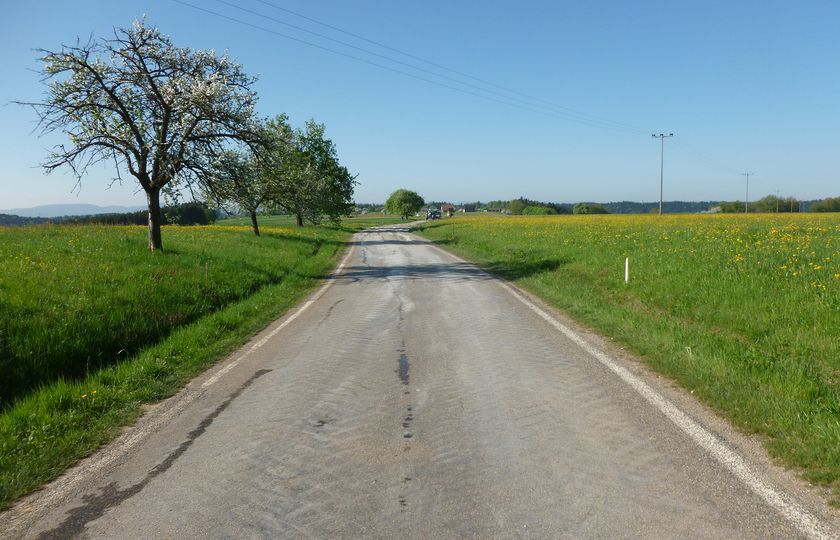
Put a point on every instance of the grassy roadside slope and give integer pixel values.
(743, 311)
(138, 326)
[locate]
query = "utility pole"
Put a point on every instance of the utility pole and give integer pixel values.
(747, 201)
(777, 200)
(661, 138)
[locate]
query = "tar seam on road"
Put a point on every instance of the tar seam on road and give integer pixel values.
(803, 520)
(96, 505)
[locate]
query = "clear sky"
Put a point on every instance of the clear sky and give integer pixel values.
(745, 86)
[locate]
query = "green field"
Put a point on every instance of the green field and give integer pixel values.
(742, 311)
(92, 324)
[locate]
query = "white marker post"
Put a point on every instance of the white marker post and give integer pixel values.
(627, 270)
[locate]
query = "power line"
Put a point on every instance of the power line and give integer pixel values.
(535, 105)
(580, 116)
(560, 111)
(378, 55)
(523, 105)
(445, 68)
(685, 145)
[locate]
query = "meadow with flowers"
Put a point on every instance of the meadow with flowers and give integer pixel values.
(743, 311)
(92, 325)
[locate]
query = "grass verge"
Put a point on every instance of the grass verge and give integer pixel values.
(46, 429)
(742, 311)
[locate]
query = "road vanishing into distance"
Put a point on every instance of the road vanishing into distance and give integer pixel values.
(416, 396)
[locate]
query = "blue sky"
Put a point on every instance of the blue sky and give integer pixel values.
(745, 86)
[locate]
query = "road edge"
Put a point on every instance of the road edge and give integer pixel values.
(802, 504)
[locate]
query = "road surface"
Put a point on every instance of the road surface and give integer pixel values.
(416, 397)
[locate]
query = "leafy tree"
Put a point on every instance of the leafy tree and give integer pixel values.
(538, 211)
(765, 204)
(791, 204)
(829, 204)
(497, 205)
(589, 208)
(770, 203)
(527, 206)
(517, 206)
(190, 213)
(155, 110)
(236, 178)
(404, 203)
(332, 184)
(732, 207)
(303, 163)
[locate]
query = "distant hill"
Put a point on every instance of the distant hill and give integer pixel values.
(59, 210)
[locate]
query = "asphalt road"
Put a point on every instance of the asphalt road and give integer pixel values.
(413, 397)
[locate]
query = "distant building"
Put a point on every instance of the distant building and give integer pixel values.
(448, 209)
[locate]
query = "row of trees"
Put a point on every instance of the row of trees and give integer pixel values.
(296, 171)
(770, 203)
(829, 204)
(182, 120)
(526, 207)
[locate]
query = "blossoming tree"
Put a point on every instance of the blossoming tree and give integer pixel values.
(160, 112)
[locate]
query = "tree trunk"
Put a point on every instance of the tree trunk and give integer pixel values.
(299, 217)
(254, 224)
(155, 219)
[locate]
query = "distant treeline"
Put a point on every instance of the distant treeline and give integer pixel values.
(366, 208)
(196, 213)
(9, 219)
(771, 203)
(192, 213)
(620, 207)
